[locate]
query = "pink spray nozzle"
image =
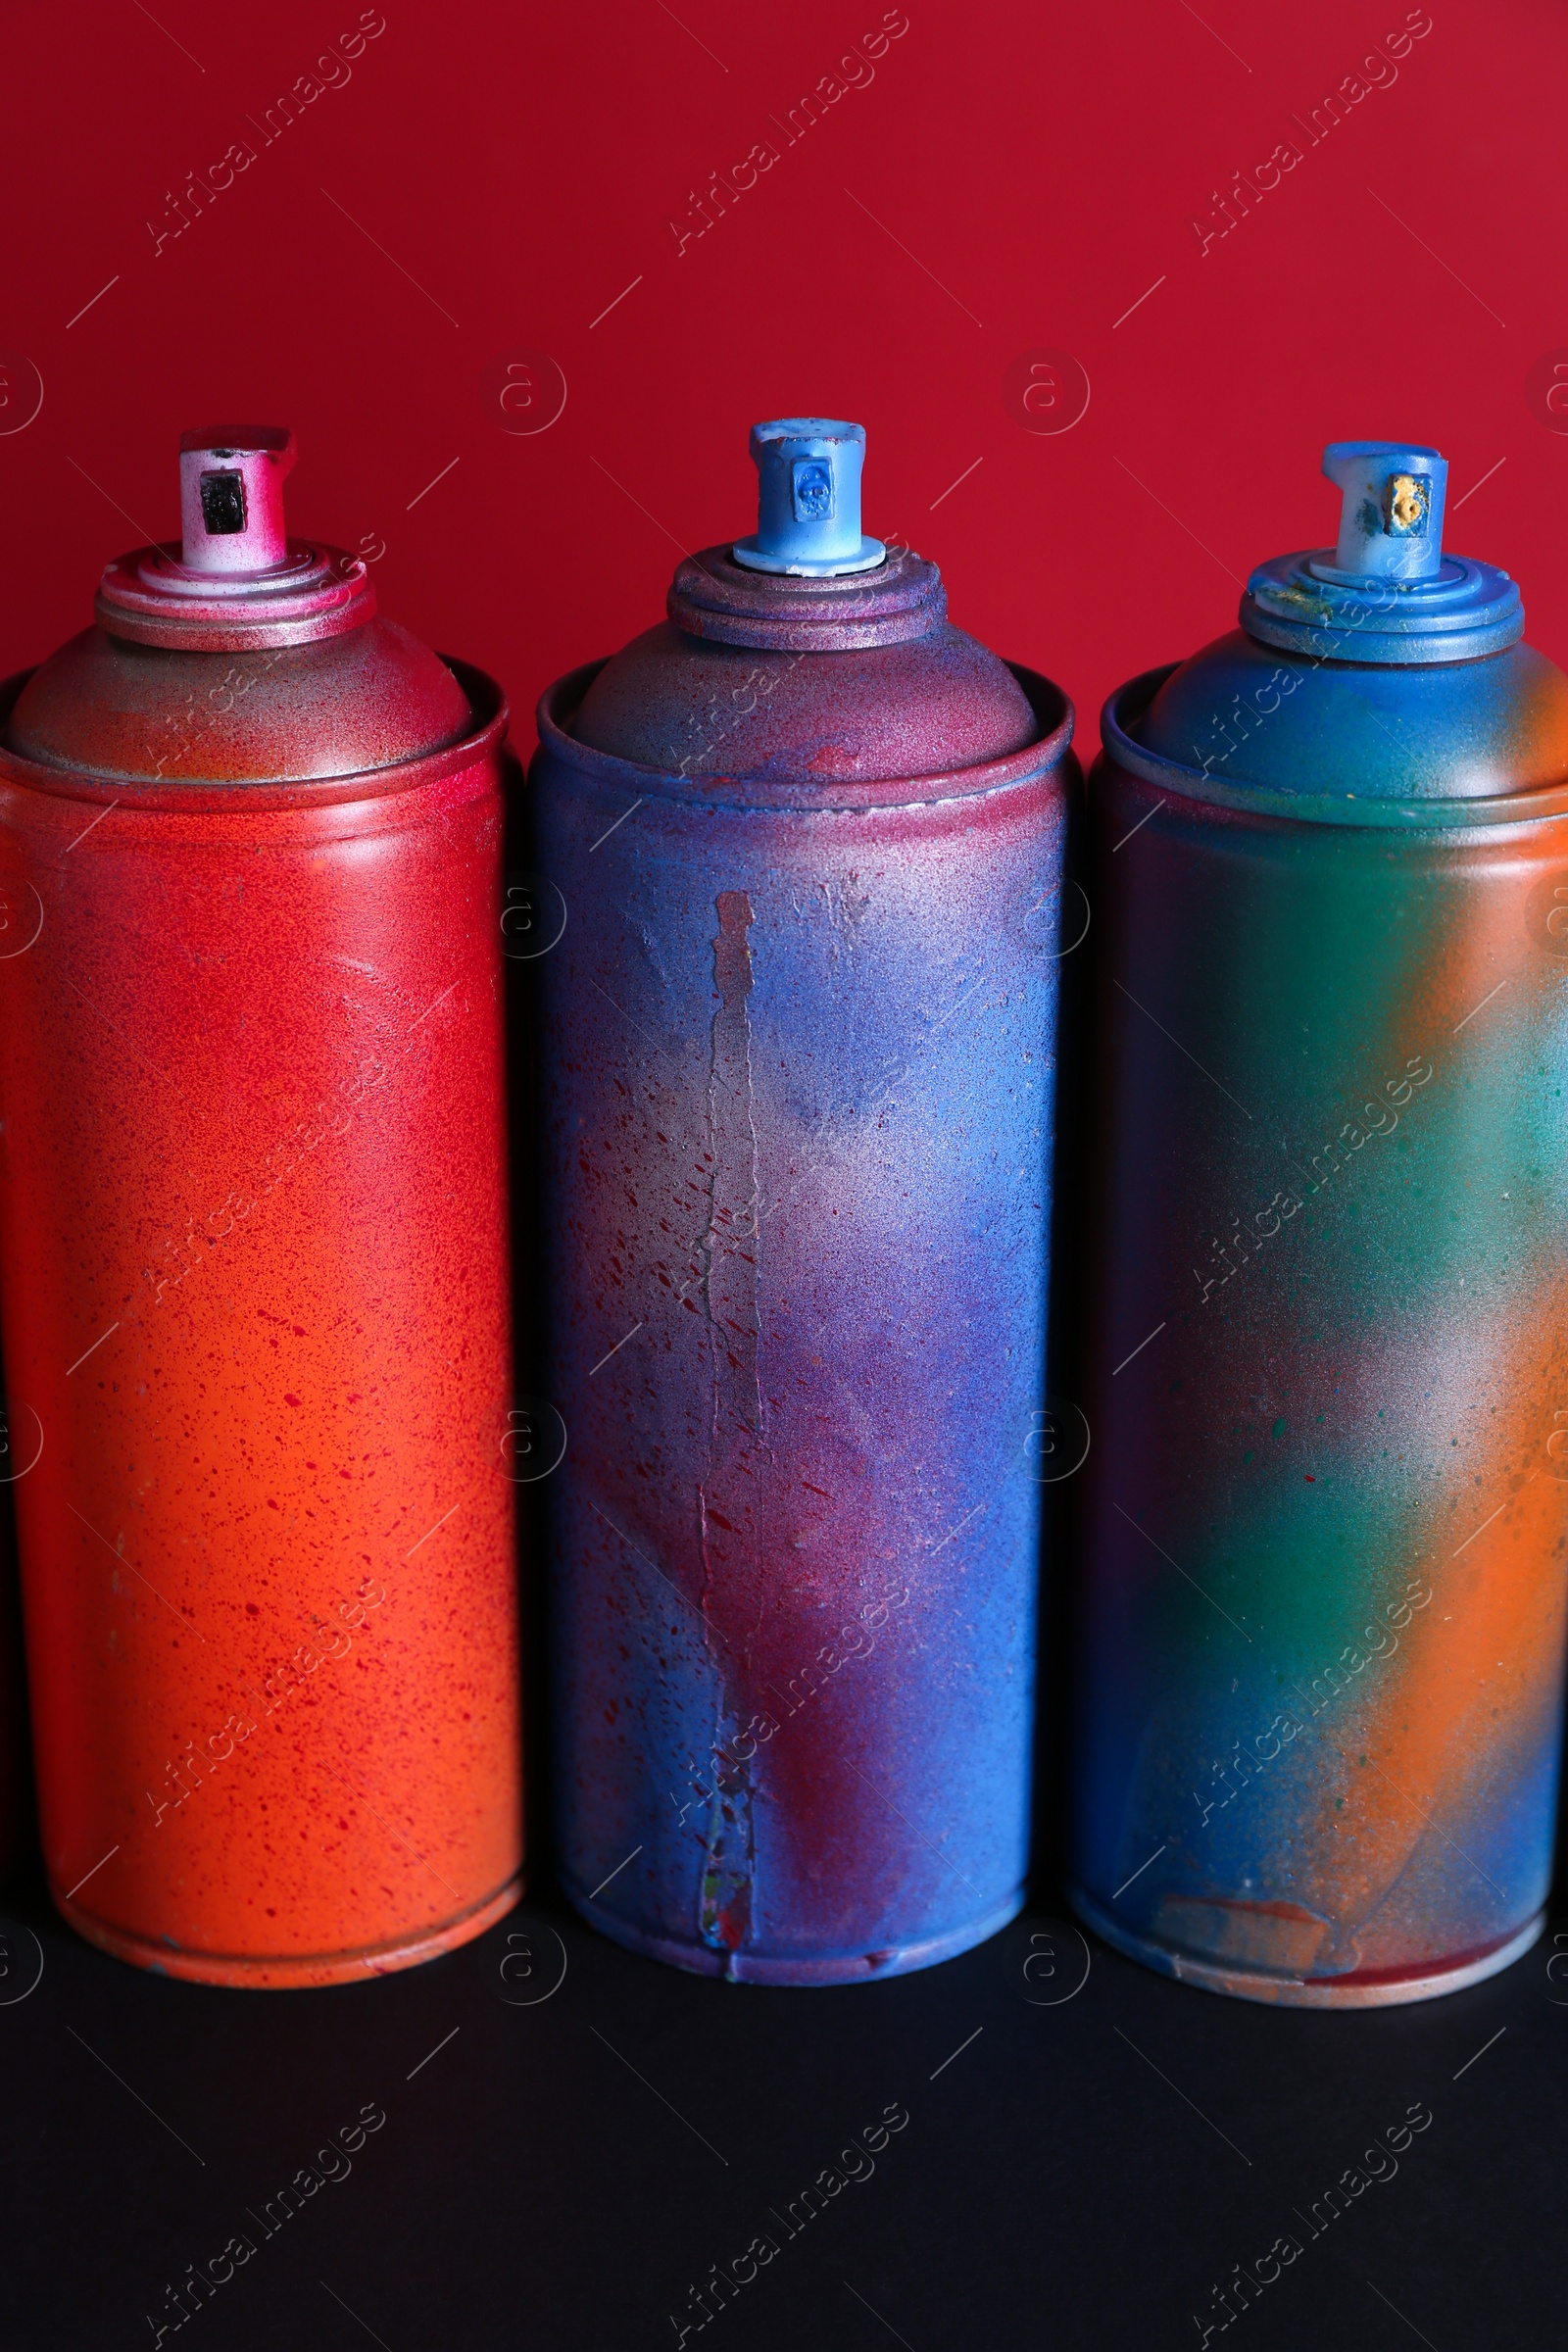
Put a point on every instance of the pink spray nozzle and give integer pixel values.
(231, 497)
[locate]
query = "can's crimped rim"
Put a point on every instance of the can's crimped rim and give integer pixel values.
(211, 796)
(1127, 704)
(721, 793)
(1302, 604)
(716, 596)
(147, 597)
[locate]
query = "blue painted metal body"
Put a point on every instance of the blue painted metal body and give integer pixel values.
(799, 1065)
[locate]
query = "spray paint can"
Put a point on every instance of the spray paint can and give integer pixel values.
(1321, 1607)
(798, 1060)
(254, 1258)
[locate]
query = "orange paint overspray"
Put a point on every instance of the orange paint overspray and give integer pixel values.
(1477, 1684)
(253, 1234)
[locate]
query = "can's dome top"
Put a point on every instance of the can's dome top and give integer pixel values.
(1407, 687)
(235, 653)
(862, 678)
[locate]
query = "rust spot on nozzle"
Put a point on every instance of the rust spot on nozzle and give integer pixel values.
(1407, 501)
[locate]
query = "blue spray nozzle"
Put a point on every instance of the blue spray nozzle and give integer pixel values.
(809, 499)
(1386, 592)
(1390, 524)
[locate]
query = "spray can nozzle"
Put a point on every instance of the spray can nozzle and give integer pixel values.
(1390, 524)
(233, 579)
(231, 497)
(808, 500)
(1386, 592)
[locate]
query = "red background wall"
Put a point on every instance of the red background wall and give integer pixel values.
(1032, 170)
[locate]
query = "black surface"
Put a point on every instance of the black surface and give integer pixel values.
(558, 2173)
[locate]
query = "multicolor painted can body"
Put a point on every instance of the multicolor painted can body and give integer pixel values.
(254, 1252)
(799, 1067)
(1322, 1605)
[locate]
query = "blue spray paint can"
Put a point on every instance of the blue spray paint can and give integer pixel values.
(799, 1059)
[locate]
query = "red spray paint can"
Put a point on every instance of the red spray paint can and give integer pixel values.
(254, 1258)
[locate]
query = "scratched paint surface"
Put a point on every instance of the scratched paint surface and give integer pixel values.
(799, 1086)
(1321, 1674)
(253, 1231)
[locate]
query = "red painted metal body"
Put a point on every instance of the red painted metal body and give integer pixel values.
(253, 1240)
